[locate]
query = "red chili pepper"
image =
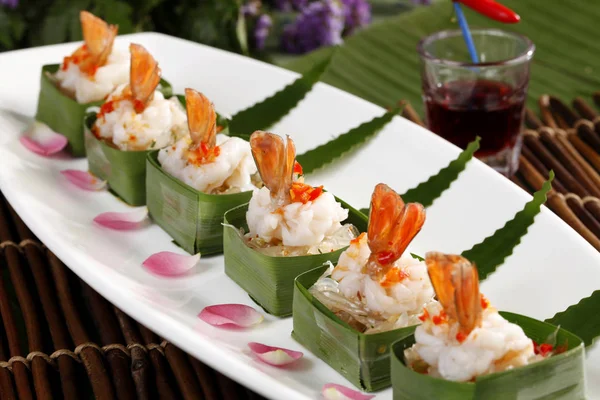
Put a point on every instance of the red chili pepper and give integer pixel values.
(493, 10)
(461, 337)
(298, 168)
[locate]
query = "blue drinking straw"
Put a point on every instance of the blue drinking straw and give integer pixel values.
(464, 27)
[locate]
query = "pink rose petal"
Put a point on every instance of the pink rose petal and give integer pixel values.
(123, 221)
(83, 179)
(231, 314)
(170, 264)
(332, 391)
(42, 140)
(276, 356)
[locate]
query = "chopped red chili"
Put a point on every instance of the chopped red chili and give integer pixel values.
(485, 303)
(303, 193)
(441, 318)
(297, 168)
(542, 349)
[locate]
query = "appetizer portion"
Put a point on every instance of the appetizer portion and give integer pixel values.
(287, 217)
(192, 183)
(83, 80)
(95, 69)
(135, 119)
(350, 314)
(136, 116)
(463, 336)
(206, 161)
(374, 288)
(286, 229)
(466, 349)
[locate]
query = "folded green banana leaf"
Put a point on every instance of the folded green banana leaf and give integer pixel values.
(363, 359)
(61, 112)
(270, 280)
(125, 171)
(192, 218)
(560, 376)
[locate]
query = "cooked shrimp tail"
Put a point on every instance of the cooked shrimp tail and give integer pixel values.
(202, 119)
(456, 284)
(144, 75)
(275, 162)
(392, 226)
(98, 37)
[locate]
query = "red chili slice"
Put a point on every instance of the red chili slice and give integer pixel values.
(493, 10)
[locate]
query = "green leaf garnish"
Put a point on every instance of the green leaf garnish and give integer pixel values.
(266, 113)
(427, 192)
(417, 257)
(492, 252)
(580, 319)
(328, 152)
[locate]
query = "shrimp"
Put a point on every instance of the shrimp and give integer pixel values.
(144, 75)
(275, 160)
(202, 123)
(456, 284)
(98, 37)
(392, 226)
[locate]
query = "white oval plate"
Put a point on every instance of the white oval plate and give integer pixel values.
(552, 268)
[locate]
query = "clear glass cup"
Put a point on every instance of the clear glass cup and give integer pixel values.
(464, 100)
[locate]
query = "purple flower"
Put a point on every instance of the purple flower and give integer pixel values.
(249, 9)
(261, 31)
(289, 5)
(9, 3)
(320, 24)
(357, 13)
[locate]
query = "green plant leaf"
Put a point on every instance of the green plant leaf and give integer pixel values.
(116, 12)
(492, 252)
(334, 149)
(417, 257)
(580, 319)
(6, 40)
(381, 63)
(241, 33)
(427, 192)
(266, 113)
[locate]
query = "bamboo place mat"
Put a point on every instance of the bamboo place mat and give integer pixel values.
(566, 139)
(59, 339)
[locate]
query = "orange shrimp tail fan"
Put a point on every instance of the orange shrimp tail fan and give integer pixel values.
(144, 74)
(202, 118)
(456, 284)
(392, 224)
(98, 37)
(275, 162)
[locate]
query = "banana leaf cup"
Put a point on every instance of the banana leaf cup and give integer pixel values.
(63, 114)
(270, 280)
(192, 218)
(560, 376)
(363, 359)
